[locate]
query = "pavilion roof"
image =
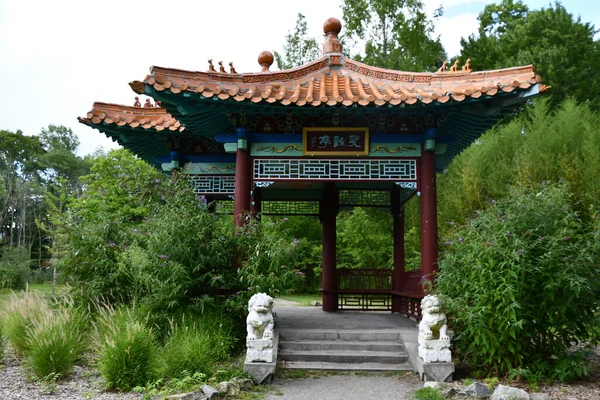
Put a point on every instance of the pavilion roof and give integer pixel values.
(154, 118)
(195, 105)
(334, 80)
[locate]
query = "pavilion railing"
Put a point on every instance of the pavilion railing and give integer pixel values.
(369, 289)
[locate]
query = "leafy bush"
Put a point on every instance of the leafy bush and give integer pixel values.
(196, 345)
(522, 282)
(57, 340)
(14, 268)
(126, 350)
(20, 313)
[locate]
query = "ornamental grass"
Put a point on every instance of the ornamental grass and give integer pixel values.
(126, 350)
(197, 345)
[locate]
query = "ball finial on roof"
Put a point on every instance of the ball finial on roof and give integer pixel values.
(265, 59)
(332, 25)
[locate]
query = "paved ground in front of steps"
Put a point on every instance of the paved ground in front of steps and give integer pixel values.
(346, 386)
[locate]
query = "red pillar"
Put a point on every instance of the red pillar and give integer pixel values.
(241, 202)
(429, 235)
(398, 275)
(328, 210)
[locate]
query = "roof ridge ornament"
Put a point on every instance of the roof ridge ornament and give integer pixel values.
(265, 60)
(332, 28)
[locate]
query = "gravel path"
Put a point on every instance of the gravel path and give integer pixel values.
(345, 387)
(82, 384)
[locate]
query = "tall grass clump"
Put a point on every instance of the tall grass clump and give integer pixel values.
(126, 349)
(19, 315)
(1, 343)
(521, 279)
(57, 340)
(198, 344)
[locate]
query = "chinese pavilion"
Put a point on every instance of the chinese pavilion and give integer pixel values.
(306, 141)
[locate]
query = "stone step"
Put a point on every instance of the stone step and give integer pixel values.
(350, 357)
(330, 334)
(327, 366)
(340, 345)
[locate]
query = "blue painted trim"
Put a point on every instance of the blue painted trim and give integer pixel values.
(198, 158)
(226, 138)
(430, 133)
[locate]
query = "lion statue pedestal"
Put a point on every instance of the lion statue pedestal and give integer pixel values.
(261, 340)
(435, 360)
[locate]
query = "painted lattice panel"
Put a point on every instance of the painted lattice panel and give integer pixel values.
(290, 207)
(365, 198)
(212, 184)
(335, 169)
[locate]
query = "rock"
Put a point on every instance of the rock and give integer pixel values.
(315, 303)
(434, 384)
(188, 396)
(509, 393)
(243, 383)
(210, 392)
(450, 393)
(478, 389)
(539, 396)
(228, 388)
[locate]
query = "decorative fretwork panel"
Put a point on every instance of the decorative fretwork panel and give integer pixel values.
(290, 207)
(365, 302)
(365, 198)
(213, 184)
(335, 169)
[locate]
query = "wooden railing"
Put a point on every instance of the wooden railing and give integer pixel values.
(371, 290)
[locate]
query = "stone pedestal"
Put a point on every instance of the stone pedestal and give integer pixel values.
(259, 350)
(435, 371)
(434, 350)
(262, 371)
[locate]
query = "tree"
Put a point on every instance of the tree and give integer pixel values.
(299, 48)
(397, 34)
(562, 48)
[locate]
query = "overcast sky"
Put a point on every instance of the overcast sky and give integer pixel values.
(57, 57)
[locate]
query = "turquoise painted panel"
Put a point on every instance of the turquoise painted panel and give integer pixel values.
(209, 168)
(395, 150)
(276, 149)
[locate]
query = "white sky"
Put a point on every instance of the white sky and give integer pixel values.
(57, 56)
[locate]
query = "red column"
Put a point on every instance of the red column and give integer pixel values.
(429, 236)
(241, 202)
(329, 279)
(398, 275)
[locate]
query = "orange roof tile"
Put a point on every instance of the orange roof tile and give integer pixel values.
(135, 117)
(334, 79)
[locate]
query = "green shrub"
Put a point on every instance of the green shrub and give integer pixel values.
(126, 350)
(427, 393)
(56, 341)
(522, 283)
(197, 345)
(19, 315)
(14, 268)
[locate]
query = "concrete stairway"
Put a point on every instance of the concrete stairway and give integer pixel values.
(342, 350)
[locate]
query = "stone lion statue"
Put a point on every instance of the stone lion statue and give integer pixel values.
(259, 323)
(434, 324)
